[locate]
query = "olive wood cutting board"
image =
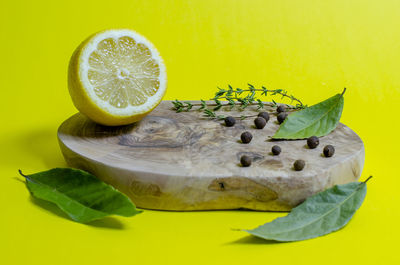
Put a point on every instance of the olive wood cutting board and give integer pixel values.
(183, 161)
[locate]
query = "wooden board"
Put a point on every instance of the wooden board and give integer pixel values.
(182, 161)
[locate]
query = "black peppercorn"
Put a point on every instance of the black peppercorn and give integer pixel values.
(281, 117)
(280, 109)
(329, 150)
(230, 121)
(260, 122)
(299, 165)
(264, 115)
(245, 160)
(276, 150)
(313, 142)
(246, 137)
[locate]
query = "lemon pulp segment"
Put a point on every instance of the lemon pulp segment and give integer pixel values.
(116, 77)
(123, 72)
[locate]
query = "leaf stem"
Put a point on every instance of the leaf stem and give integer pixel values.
(20, 172)
(236, 103)
(344, 90)
(365, 181)
(25, 176)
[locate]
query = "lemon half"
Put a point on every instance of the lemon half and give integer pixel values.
(116, 77)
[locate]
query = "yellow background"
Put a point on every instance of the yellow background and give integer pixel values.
(311, 48)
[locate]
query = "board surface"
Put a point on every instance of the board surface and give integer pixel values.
(183, 161)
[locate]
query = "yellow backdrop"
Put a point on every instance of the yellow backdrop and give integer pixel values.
(312, 48)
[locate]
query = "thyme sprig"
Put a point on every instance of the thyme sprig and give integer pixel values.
(241, 98)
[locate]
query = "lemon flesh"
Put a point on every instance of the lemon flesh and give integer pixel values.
(116, 77)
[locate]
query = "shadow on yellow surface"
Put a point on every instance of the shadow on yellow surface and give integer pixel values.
(32, 148)
(42, 143)
(253, 240)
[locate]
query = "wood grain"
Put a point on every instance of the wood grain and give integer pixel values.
(182, 161)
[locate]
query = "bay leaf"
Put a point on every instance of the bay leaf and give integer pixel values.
(318, 215)
(319, 120)
(79, 194)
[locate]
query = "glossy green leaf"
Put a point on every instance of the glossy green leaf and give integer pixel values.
(319, 120)
(319, 215)
(79, 194)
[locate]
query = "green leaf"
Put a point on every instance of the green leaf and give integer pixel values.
(319, 120)
(177, 104)
(219, 105)
(319, 215)
(189, 105)
(265, 91)
(203, 104)
(79, 194)
(209, 113)
(251, 87)
(260, 104)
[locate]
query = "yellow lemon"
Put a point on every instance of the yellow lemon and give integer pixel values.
(116, 77)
